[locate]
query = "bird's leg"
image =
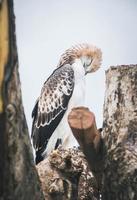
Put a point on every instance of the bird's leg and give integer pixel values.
(58, 143)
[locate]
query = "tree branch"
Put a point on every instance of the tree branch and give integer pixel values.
(83, 125)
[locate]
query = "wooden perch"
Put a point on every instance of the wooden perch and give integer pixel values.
(83, 125)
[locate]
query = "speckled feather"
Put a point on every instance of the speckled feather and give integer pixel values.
(52, 103)
(52, 98)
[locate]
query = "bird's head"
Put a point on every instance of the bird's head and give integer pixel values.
(90, 57)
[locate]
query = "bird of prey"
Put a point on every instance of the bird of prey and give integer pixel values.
(62, 91)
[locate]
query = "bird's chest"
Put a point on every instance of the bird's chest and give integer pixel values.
(78, 96)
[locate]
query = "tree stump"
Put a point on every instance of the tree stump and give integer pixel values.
(18, 176)
(120, 134)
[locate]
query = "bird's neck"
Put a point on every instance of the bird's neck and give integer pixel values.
(78, 69)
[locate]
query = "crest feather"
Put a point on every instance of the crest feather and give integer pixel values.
(80, 50)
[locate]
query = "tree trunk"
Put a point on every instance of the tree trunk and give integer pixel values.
(120, 134)
(18, 176)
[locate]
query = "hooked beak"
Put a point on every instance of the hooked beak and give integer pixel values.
(86, 73)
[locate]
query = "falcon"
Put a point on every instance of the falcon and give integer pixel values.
(62, 91)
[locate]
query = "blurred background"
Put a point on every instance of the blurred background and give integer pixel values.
(45, 29)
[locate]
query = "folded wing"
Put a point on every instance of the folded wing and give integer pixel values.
(50, 107)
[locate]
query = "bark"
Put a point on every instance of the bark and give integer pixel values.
(65, 175)
(120, 134)
(18, 176)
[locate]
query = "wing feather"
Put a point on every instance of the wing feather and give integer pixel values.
(51, 106)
